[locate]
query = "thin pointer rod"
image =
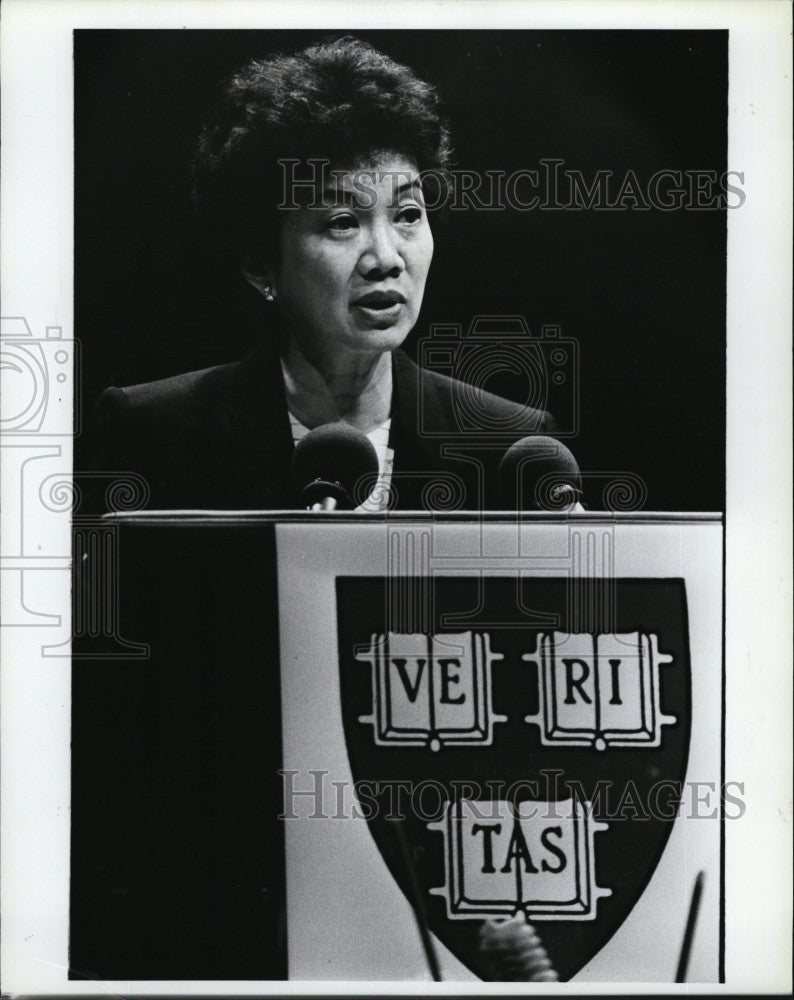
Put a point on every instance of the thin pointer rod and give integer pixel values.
(689, 933)
(417, 903)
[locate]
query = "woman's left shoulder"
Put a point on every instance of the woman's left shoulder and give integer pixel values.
(444, 399)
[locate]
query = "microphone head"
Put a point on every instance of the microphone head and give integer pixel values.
(539, 473)
(515, 952)
(330, 461)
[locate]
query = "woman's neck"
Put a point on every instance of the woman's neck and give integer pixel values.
(356, 390)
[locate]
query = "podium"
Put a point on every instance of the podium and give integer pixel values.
(536, 701)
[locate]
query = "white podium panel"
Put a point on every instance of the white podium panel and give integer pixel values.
(538, 705)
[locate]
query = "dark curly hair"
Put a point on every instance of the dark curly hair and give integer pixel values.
(339, 101)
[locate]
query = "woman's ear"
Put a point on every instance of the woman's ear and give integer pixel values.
(259, 274)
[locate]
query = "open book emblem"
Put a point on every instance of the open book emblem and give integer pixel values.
(533, 857)
(599, 690)
(431, 691)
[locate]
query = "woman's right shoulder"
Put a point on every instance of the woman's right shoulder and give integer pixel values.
(172, 396)
(160, 424)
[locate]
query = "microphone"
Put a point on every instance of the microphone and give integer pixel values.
(514, 952)
(539, 473)
(329, 462)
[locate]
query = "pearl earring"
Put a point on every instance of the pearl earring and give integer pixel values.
(270, 295)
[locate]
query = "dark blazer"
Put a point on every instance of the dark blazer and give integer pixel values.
(220, 438)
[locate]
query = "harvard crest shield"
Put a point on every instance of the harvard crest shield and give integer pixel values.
(535, 768)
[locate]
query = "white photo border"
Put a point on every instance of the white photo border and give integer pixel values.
(37, 282)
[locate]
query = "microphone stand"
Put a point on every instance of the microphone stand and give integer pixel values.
(326, 495)
(327, 503)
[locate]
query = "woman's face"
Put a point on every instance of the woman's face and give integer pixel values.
(353, 266)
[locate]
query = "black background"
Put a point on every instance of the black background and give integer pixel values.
(643, 293)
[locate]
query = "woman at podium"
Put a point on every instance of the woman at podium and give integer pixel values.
(315, 171)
